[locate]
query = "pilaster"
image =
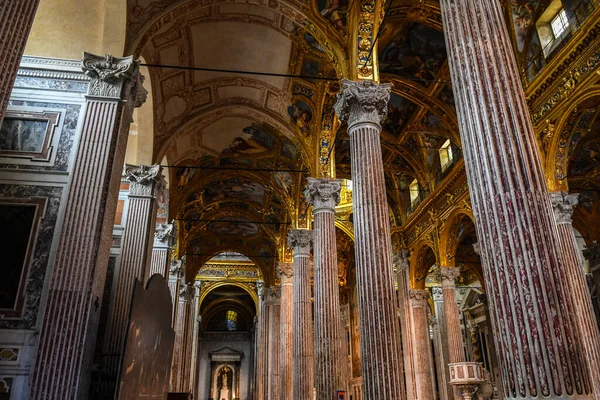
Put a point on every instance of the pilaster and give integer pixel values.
(161, 250)
(364, 106)
(285, 271)
(262, 373)
(70, 323)
(184, 326)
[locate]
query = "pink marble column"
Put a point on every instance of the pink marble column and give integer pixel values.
(331, 370)
(456, 353)
(161, 250)
(538, 347)
(274, 330)
(440, 343)
(262, 334)
(299, 241)
(285, 271)
(424, 380)
(578, 291)
(70, 323)
(16, 19)
(402, 264)
(136, 253)
(364, 106)
(181, 362)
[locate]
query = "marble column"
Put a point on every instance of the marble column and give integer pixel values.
(262, 377)
(456, 352)
(274, 330)
(364, 106)
(331, 371)
(538, 346)
(161, 250)
(70, 322)
(577, 288)
(402, 264)
(299, 241)
(135, 254)
(424, 380)
(175, 274)
(180, 365)
(440, 334)
(285, 272)
(193, 343)
(16, 19)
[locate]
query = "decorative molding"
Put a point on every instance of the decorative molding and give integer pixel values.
(300, 240)
(563, 205)
(363, 102)
(323, 194)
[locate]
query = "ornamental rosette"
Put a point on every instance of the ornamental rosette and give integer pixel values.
(363, 102)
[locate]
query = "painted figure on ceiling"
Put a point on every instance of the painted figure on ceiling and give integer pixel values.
(335, 12)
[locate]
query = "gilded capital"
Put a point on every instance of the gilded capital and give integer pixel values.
(448, 276)
(563, 204)
(300, 241)
(323, 194)
(109, 74)
(142, 178)
(285, 272)
(363, 102)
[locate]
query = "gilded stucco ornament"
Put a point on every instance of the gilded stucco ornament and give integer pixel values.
(363, 102)
(323, 194)
(142, 178)
(563, 205)
(300, 240)
(108, 74)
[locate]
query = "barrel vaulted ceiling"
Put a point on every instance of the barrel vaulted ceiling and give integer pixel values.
(253, 135)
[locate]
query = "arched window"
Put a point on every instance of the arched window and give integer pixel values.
(414, 191)
(446, 155)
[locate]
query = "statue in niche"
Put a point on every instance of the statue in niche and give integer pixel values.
(224, 381)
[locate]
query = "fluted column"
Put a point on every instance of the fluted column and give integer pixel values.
(136, 253)
(331, 371)
(285, 271)
(364, 105)
(440, 337)
(175, 273)
(538, 345)
(578, 291)
(421, 344)
(70, 323)
(274, 330)
(262, 377)
(16, 19)
(403, 280)
(193, 343)
(161, 250)
(180, 365)
(299, 241)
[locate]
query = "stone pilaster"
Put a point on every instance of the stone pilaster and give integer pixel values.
(424, 380)
(274, 330)
(304, 362)
(262, 377)
(285, 271)
(403, 280)
(184, 326)
(70, 322)
(578, 292)
(135, 253)
(523, 272)
(364, 106)
(16, 19)
(440, 342)
(331, 370)
(161, 250)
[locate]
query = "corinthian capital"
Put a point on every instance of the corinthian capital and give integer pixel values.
(162, 234)
(401, 261)
(109, 74)
(300, 241)
(323, 194)
(285, 272)
(418, 297)
(448, 276)
(142, 179)
(563, 204)
(363, 101)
